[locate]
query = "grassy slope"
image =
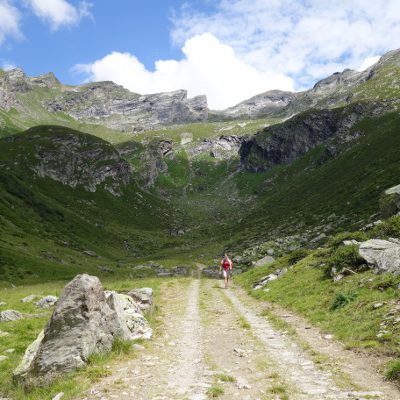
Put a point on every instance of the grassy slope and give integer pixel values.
(308, 290)
(46, 225)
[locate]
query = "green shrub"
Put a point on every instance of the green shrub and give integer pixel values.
(392, 372)
(337, 240)
(388, 228)
(342, 299)
(295, 256)
(346, 257)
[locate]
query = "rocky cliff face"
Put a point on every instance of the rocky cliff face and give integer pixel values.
(103, 103)
(286, 142)
(70, 157)
(268, 103)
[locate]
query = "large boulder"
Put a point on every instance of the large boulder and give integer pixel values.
(382, 255)
(130, 320)
(81, 324)
(389, 202)
(143, 297)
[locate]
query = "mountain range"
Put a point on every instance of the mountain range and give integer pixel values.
(96, 175)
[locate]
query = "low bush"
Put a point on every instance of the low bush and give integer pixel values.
(337, 240)
(295, 256)
(346, 258)
(388, 228)
(392, 372)
(342, 299)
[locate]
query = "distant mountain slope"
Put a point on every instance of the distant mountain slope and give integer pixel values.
(381, 81)
(25, 100)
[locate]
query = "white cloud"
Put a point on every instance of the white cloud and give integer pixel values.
(305, 40)
(208, 67)
(59, 13)
(9, 20)
(368, 62)
(7, 66)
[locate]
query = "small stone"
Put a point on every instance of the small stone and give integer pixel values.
(10, 315)
(9, 351)
(239, 352)
(377, 305)
(328, 337)
(2, 358)
(2, 303)
(137, 346)
(47, 302)
(58, 396)
(29, 298)
(2, 333)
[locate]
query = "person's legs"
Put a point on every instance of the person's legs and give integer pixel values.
(225, 272)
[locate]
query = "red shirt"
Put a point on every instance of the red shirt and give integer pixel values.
(226, 264)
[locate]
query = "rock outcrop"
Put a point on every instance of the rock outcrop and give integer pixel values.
(382, 255)
(264, 104)
(131, 324)
(143, 297)
(47, 302)
(10, 315)
(389, 202)
(118, 108)
(72, 158)
(85, 321)
(286, 142)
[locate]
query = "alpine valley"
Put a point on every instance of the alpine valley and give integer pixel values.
(96, 179)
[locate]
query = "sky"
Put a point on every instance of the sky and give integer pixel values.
(229, 50)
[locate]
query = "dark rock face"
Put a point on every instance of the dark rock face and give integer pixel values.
(73, 158)
(286, 142)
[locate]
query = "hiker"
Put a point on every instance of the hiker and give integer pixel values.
(226, 268)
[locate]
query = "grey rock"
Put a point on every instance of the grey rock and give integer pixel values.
(270, 252)
(105, 268)
(130, 320)
(118, 108)
(10, 315)
(164, 274)
(211, 272)
(268, 103)
(3, 303)
(3, 358)
(30, 298)
(382, 255)
(390, 201)
(263, 261)
(58, 396)
(2, 333)
(318, 238)
(350, 242)
(81, 324)
(47, 302)
(90, 253)
(9, 351)
(143, 297)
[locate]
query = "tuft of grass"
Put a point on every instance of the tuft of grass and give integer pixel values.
(392, 372)
(224, 378)
(215, 391)
(243, 323)
(342, 299)
(346, 258)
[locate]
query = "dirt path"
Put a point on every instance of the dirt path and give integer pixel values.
(214, 343)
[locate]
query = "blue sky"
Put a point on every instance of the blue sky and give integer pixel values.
(227, 49)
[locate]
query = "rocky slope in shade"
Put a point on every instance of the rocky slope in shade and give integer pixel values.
(103, 103)
(70, 157)
(286, 142)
